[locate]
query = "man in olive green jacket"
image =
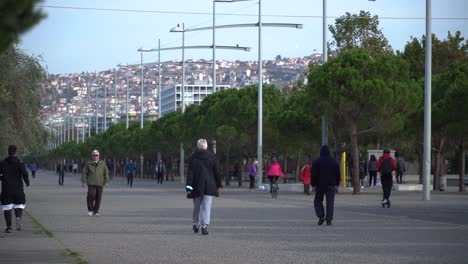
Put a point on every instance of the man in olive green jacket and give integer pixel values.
(96, 175)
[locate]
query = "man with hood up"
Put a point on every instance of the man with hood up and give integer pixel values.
(203, 182)
(13, 173)
(325, 180)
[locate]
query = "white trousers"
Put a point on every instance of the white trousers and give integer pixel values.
(202, 210)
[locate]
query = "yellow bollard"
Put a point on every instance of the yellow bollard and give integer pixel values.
(343, 169)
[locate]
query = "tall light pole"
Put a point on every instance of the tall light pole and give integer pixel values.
(260, 98)
(182, 161)
(141, 110)
(159, 78)
(115, 96)
(427, 105)
(87, 110)
(97, 109)
(105, 108)
(325, 58)
(126, 100)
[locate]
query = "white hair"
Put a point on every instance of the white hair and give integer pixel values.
(95, 151)
(202, 144)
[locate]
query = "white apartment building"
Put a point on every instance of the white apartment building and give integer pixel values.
(171, 98)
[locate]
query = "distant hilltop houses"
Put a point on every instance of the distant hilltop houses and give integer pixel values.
(80, 97)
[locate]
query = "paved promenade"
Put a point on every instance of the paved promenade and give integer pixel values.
(151, 223)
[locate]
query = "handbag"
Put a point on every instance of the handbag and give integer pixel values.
(190, 195)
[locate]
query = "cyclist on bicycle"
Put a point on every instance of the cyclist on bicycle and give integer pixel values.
(273, 172)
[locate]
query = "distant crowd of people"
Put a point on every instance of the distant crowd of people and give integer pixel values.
(203, 181)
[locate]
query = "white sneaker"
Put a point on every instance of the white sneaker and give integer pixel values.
(90, 213)
(384, 201)
(96, 214)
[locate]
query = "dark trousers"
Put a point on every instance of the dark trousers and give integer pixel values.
(252, 181)
(372, 175)
(273, 180)
(130, 179)
(94, 198)
(387, 182)
(399, 177)
(61, 176)
(307, 189)
(33, 173)
(329, 193)
(160, 177)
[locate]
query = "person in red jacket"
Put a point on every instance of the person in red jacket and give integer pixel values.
(273, 172)
(305, 177)
(386, 165)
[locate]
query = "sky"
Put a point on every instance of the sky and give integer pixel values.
(74, 40)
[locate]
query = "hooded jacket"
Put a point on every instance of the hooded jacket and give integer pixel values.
(13, 173)
(203, 174)
(325, 170)
(274, 170)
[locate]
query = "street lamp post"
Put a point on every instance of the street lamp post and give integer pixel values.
(89, 114)
(427, 105)
(105, 107)
(325, 58)
(126, 100)
(97, 109)
(142, 92)
(159, 78)
(182, 161)
(260, 98)
(141, 111)
(115, 96)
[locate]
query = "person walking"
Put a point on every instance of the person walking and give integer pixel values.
(131, 168)
(203, 183)
(362, 172)
(160, 170)
(75, 167)
(305, 177)
(274, 172)
(325, 181)
(96, 175)
(372, 168)
(253, 174)
(33, 169)
(400, 168)
(61, 173)
(12, 174)
(386, 165)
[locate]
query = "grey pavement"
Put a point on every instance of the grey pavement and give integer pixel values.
(151, 223)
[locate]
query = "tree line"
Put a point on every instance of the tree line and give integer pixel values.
(371, 95)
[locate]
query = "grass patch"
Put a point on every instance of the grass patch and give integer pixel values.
(41, 228)
(74, 256)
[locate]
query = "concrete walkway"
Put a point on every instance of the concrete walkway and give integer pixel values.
(151, 223)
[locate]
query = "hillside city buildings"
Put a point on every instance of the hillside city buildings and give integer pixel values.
(83, 100)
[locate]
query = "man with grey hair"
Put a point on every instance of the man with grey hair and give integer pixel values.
(96, 175)
(203, 182)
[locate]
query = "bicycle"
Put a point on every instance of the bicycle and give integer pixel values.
(274, 188)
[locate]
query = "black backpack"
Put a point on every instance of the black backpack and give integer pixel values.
(386, 168)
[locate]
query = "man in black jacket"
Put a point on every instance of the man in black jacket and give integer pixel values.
(203, 182)
(325, 179)
(13, 172)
